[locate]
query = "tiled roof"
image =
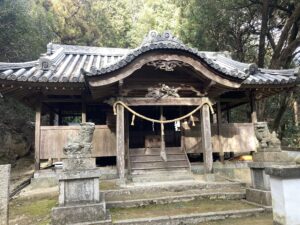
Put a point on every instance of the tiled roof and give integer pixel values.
(67, 63)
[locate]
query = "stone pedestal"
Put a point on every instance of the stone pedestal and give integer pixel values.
(4, 193)
(259, 192)
(285, 186)
(268, 154)
(80, 201)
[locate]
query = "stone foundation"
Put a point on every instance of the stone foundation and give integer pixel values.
(4, 193)
(78, 214)
(258, 196)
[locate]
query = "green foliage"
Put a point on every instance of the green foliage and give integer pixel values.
(218, 25)
(23, 30)
(159, 15)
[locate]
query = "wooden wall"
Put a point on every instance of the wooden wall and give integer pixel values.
(54, 138)
(234, 137)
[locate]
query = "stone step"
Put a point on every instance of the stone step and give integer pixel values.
(169, 197)
(185, 212)
(172, 187)
(147, 179)
(195, 218)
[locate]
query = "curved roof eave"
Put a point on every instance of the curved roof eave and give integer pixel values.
(122, 71)
(155, 42)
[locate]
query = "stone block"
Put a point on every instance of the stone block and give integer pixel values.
(79, 191)
(4, 193)
(260, 180)
(79, 163)
(270, 149)
(271, 157)
(261, 197)
(78, 214)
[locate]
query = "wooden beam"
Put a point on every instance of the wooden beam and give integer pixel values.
(208, 86)
(253, 108)
(164, 101)
(206, 139)
(83, 112)
(219, 123)
(37, 136)
(228, 113)
(56, 100)
(120, 135)
(127, 141)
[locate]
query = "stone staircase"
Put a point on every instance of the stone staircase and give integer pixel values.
(180, 202)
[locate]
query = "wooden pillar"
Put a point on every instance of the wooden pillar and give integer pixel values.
(162, 132)
(83, 112)
(120, 133)
(206, 139)
(219, 122)
(253, 108)
(295, 110)
(228, 114)
(37, 136)
(127, 141)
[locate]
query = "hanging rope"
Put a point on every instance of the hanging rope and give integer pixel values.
(205, 102)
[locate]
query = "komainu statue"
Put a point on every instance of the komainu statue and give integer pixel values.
(265, 137)
(82, 144)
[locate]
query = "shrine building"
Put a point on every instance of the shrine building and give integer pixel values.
(155, 107)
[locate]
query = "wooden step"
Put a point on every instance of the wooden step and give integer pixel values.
(151, 158)
(154, 154)
(154, 151)
(160, 163)
(161, 168)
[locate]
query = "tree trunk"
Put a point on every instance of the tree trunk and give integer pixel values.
(285, 102)
(263, 33)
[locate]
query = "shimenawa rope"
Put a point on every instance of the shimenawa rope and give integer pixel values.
(207, 102)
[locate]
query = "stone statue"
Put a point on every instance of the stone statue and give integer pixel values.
(82, 144)
(265, 137)
(79, 198)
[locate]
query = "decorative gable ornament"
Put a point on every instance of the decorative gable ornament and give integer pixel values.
(163, 91)
(153, 36)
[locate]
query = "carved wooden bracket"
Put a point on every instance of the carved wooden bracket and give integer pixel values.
(163, 91)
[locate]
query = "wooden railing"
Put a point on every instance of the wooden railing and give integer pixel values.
(54, 138)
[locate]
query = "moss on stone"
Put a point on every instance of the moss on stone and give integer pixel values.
(195, 206)
(263, 219)
(108, 185)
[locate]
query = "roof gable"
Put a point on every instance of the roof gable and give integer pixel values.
(70, 63)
